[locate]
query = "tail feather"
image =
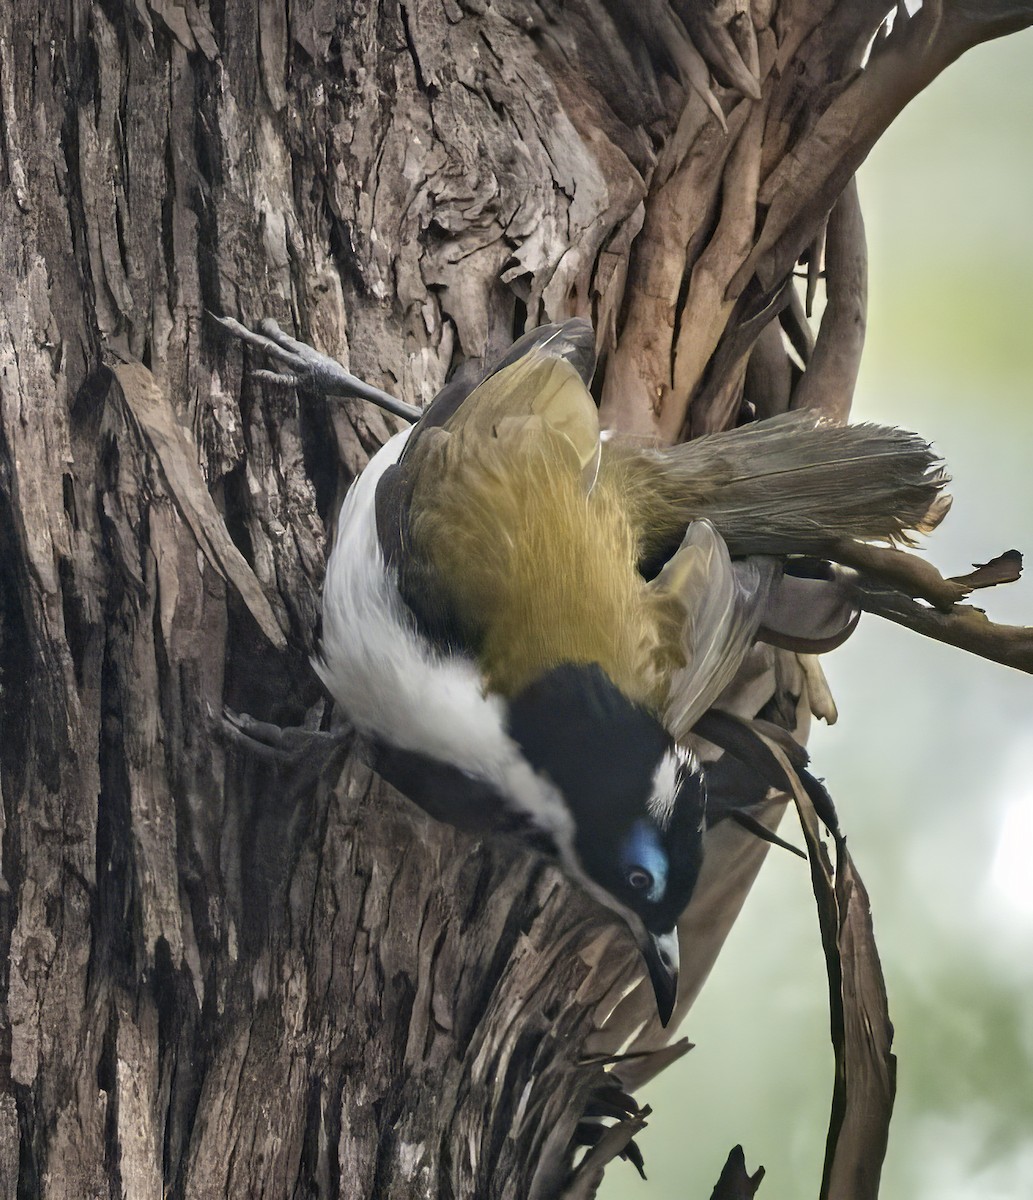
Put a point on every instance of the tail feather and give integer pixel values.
(788, 485)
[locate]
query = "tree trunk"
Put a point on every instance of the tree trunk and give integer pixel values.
(229, 974)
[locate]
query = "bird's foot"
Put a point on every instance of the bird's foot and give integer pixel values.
(617, 1140)
(298, 752)
(308, 368)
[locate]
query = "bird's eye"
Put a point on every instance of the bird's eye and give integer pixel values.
(639, 878)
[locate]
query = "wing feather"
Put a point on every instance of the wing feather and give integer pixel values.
(723, 603)
(506, 548)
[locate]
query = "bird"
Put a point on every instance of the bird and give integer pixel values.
(529, 618)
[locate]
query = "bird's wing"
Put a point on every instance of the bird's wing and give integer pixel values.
(720, 606)
(503, 546)
(573, 342)
(539, 392)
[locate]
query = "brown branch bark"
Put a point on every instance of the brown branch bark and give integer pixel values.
(961, 625)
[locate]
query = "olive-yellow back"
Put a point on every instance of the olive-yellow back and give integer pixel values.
(530, 541)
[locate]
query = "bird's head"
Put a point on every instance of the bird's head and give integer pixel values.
(635, 799)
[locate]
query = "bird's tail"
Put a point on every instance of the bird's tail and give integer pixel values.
(792, 484)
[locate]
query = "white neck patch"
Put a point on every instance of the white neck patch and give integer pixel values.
(667, 782)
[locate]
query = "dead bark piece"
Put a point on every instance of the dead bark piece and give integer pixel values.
(1005, 568)
(634, 1070)
(697, 75)
(797, 328)
(735, 1183)
(588, 1177)
(815, 260)
(183, 473)
(710, 33)
(767, 384)
(865, 1077)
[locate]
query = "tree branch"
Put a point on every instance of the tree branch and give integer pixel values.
(961, 625)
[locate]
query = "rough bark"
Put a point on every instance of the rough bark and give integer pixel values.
(224, 975)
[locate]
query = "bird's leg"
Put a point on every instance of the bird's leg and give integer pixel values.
(299, 753)
(308, 368)
(608, 1100)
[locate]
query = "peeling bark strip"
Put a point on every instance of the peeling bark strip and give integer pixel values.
(866, 1070)
(233, 975)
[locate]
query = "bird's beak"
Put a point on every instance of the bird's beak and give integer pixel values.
(661, 954)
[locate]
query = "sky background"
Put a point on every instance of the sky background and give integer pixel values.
(931, 763)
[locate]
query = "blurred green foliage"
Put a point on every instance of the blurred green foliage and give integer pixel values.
(934, 749)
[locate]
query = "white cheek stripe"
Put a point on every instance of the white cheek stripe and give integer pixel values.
(667, 780)
(392, 682)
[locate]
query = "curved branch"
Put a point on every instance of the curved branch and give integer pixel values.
(806, 183)
(962, 626)
(828, 383)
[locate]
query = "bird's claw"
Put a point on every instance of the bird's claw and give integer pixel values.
(288, 747)
(309, 367)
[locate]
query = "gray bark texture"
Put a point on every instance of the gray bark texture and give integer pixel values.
(228, 972)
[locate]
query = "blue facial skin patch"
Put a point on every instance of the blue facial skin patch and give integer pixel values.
(643, 848)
